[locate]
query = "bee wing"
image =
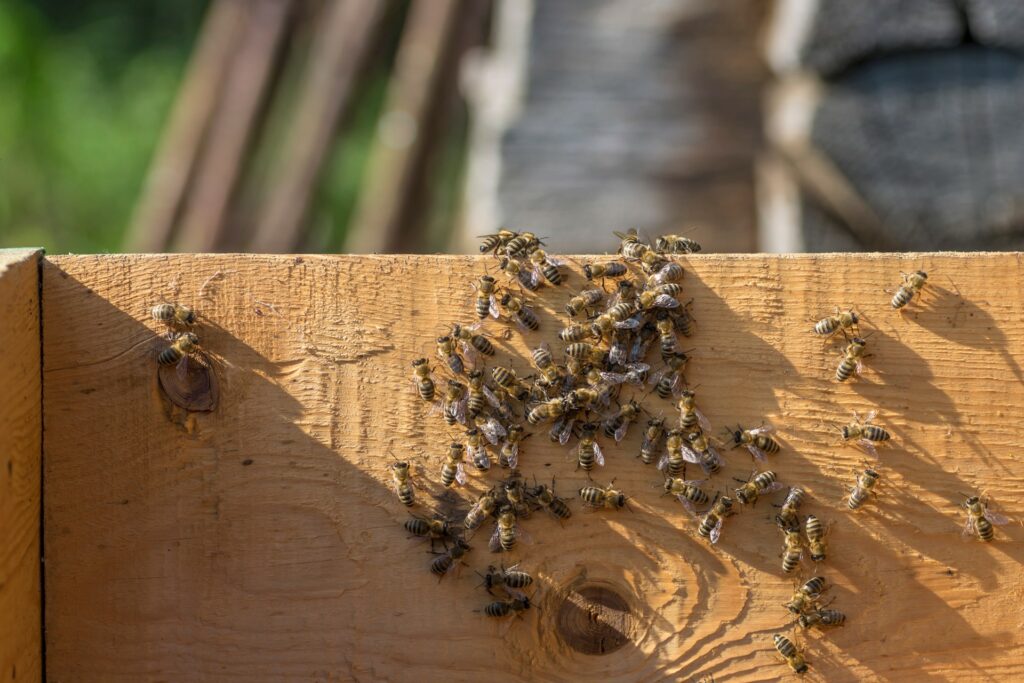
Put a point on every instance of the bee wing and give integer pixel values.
(598, 455)
(620, 433)
(460, 474)
(756, 452)
(716, 531)
(666, 301)
(859, 367)
(492, 308)
(774, 486)
(687, 504)
(690, 455)
(493, 430)
(563, 438)
(513, 456)
(663, 461)
(763, 429)
(996, 518)
(181, 370)
(870, 416)
(969, 526)
(627, 324)
(557, 263)
(868, 446)
(460, 409)
(491, 398)
(703, 422)
(494, 544)
(617, 354)
(614, 377)
(471, 354)
(677, 386)
(529, 278)
(482, 460)
(694, 482)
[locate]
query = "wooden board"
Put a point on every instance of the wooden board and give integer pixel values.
(20, 451)
(262, 541)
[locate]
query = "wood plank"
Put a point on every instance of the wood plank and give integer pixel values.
(262, 542)
(20, 450)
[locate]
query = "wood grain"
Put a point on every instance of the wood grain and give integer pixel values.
(20, 450)
(262, 542)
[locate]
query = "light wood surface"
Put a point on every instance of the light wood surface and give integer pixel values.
(20, 450)
(262, 541)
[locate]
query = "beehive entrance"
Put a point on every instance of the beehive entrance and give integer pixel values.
(595, 620)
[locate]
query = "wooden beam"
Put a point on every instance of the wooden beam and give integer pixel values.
(21, 428)
(262, 541)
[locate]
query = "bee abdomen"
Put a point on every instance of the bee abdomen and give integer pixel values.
(826, 326)
(785, 647)
(483, 307)
(592, 495)
(508, 539)
(872, 433)
(483, 345)
(706, 525)
(902, 296)
(551, 273)
(664, 388)
(441, 565)
(417, 527)
(169, 356)
(426, 388)
(790, 561)
(766, 444)
(586, 457)
(455, 364)
(857, 498)
(846, 369)
(447, 474)
(986, 531)
(163, 312)
(516, 579)
(406, 496)
(529, 319)
(560, 509)
(497, 609)
(612, 426)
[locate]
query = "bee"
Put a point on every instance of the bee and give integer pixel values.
(485, 303)
(815, 532)
(182, 346)
(401, 480)
(651, 443)
(841, 321)
(587, 352)
(606, 325)
(682, 318)
(866, 434)
(546, 498)
(980, 519)
(866, 482)
(503, 608)
(476, 450)
(790, 652)
(612, 269)
(690, 418)
(547, 410)
(174, 314)
(618, 423)
(521, 244)
(792, 550)
(757, 441)
(651, 261)
(529, 278)
(454, 404)
(675, 244)
(582, 301)
(548, 267)
(670, 272)
(607, 497)
(507, 379)
(711, 524)
(852, 359)
(588, 451)
(507, 578)
(668, 379)
(563, 428)
(476, 401)
(437, 529)
(492, 243)
(520, 312)
(635, 373)
(545, 362)
(578, 332)
(662, 296)
(471, 341)
(702, 452)
(422, 380)
(787, 518)
(673, 462)
(483, 508)
(509, 454)
(912, 284)
(452, 469)
(805, 596)
(447, 352)
(822, 618)
(631, 248)
(516, 494)
(758, 485)
(666, 335)
(688, 492)
(506, 532)
(443, 564)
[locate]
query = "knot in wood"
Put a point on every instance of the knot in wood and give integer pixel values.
(595, 620)
(196, 391)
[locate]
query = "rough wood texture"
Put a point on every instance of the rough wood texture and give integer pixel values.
(20, 450)
(262, 542)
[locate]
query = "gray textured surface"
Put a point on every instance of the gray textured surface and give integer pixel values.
(997, 23)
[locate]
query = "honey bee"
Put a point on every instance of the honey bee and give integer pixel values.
(422, 380)
(670, 272)
(563, 428)
(546, 498)
(578, 332)
(443, 563)
(805, 596)
(485, 302)
(503, 608)
(663, 296)
(791, 654)
(635, 373)
(682, 318)
(822, 618)
(437, 529)
(980, 519)
(815, 532)
(545, 363)
(642, 344)
(582, 301)
(547, 410)
(792, 550)
(758, 485)
(174, 314)
(607, 497)
(452, 469)
(702, 452)
(630, 247)
(529, 278)
(651, 443)
(841, 321)
(865, 487)
(757, 441)
(516, 494)
(493, 243)
(506, 531)
(852, 362)
(483, 508)
(447, 352)
(587, 352)
(548, 267)
(588, 450)
(476, 450)
(520, 312)
(509, 454)
(866, 434)
(472, 341)
(787, 517)
(912, 284)
(675, 244)
(612, 269)
(454, 404)
(183, 347)
(668, 380)
(617, 424)
(505, 578)
(673, 462)
(507, 379)
(476, 401)
(690, 418)
(689, 493)
(521, 244)
(711, 524)
(401, 481)
(651, 261)
(666, 335)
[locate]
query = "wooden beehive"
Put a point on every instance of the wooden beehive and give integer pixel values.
(261, 541)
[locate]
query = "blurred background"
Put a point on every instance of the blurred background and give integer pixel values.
(415, 125)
